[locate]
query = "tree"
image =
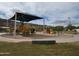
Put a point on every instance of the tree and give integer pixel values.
(70, 27)
(58, 29)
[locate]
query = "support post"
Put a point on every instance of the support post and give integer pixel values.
(7, 23)
(14, 34)
(43, 24)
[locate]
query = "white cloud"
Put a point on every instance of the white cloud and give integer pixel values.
(52, 10)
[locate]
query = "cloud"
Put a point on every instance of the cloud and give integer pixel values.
(54, 12)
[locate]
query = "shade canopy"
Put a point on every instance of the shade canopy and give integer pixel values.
(25, 17)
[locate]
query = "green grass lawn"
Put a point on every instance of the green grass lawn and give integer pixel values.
(27, 49)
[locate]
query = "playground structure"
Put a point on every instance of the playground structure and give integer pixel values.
(23, 28)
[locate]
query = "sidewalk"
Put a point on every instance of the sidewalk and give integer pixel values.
(59, 39)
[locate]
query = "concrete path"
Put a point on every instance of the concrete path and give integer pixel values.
(11, 39)
(59, 39)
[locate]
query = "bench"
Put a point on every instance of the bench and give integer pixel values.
(43, 42)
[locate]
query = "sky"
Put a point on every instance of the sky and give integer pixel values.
(54, 13)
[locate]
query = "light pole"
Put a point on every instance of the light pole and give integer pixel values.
(69, 20)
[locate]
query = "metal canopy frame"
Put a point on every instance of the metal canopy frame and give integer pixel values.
(24, 18)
